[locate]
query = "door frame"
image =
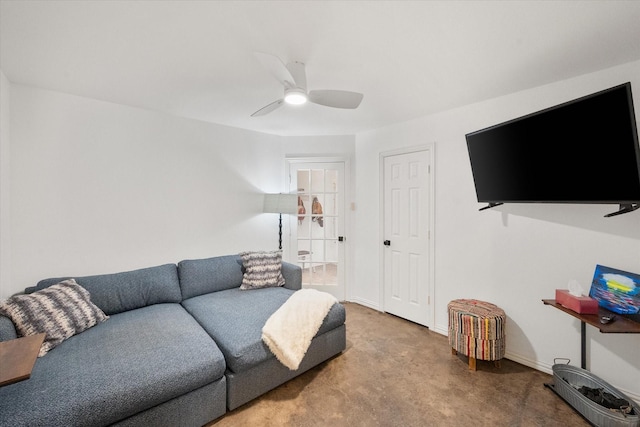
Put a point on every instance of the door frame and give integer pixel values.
(349, 206)
(430, 148)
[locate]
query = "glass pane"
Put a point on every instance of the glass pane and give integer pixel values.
(303, 181)
(331, 181)
(317, 204)
(317, 181)
(329, 207)
(304, 231)
(331, 273)
(304, 258)
(304, 248)
(317, 251)
(330, 228)
(308, 274)
(317, 231)
(303, 218)
(317, 217)
(317, 274)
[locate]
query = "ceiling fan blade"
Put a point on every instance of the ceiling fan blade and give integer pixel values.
(269, 108)
(336, 98)
(299, 76)
(276, 67)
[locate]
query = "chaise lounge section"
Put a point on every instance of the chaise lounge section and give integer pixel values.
(234, 319)
(182, 345)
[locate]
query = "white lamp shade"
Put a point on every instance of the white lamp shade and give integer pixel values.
(281, 203)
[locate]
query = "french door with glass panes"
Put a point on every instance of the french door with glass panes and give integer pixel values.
(317, 232)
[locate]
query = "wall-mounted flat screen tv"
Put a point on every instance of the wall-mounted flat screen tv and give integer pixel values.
(582, 151)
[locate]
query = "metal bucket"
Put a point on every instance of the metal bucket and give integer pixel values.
(567, 379)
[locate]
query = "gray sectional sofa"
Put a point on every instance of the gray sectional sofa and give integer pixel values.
(181, 347)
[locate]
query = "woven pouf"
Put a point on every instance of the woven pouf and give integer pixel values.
(477, 330)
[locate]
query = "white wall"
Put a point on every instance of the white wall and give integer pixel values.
(5, 235)
(99, 188)
(514, 255)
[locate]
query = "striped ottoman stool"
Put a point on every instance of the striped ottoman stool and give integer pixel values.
(477, 330)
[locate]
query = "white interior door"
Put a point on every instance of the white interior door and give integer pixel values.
(318, 230)
(406, 236)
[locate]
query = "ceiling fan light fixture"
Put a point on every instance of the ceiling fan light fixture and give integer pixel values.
(295, 96)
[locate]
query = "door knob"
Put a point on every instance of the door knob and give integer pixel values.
(387, 242)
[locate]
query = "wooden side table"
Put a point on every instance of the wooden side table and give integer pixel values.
(621, 325)
(17, 358)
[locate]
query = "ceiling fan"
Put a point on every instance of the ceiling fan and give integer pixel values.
(292, 76)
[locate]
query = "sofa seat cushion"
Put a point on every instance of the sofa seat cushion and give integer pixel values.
(134, 361)
(234, 318)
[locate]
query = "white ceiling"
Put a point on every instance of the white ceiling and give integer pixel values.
(195, 58)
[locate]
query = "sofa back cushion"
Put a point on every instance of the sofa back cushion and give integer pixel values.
(119, 292)
(203, 276)
(7, 329)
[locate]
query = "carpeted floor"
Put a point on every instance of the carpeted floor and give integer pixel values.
(397, 373)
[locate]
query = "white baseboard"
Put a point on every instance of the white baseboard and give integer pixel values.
(366, 303)
(441, 330)
(535, 364)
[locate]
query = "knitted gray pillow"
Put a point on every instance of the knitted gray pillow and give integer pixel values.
(60, 311)
(261, 269)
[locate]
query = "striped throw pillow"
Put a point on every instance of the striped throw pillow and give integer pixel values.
(261, 269)
(60, 311)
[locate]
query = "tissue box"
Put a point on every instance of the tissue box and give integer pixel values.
(582, 305)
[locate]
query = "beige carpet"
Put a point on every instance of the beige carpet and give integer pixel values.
(396, 373)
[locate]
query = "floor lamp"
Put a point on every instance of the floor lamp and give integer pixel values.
(281, 204)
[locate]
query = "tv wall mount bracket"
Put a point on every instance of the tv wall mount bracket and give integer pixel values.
(491, 205)
(624, 208)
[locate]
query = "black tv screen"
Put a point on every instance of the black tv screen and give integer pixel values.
(582, 151)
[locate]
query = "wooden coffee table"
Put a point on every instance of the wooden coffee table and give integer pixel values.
(17, 358)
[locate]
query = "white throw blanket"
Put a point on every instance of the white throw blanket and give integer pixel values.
(289, 331)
